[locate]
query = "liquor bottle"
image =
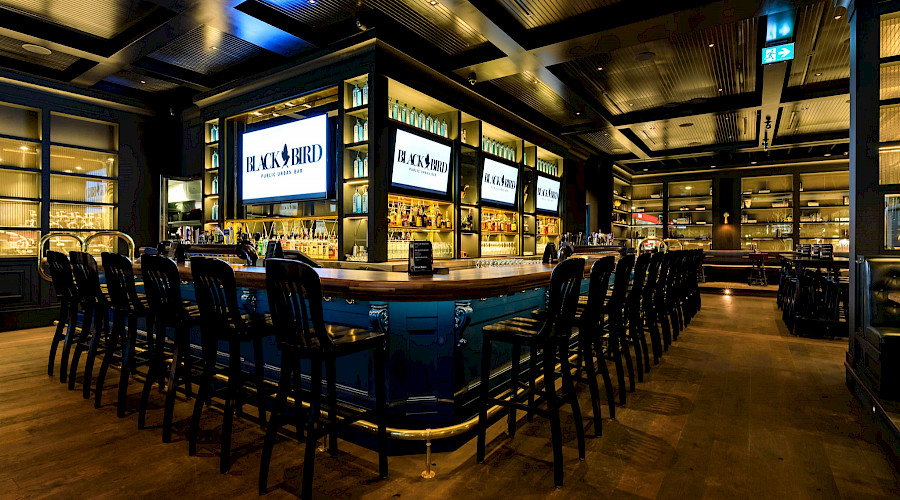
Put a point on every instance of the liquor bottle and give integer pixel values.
(512, 152)
(357, 132)
(444, 129)
(421, 121)
(214, 133)
(215, 184)
(365, 130)
(355, 97)
(356, 201)
(420, 215)
(365, 93)
(413, 117)
(365, 166)
(404, 114)
(365, 200)
(525, 226)
(483, 143)
(429, 124)
(356, 166)
(514, 227)
(462, 135)
(215, 210)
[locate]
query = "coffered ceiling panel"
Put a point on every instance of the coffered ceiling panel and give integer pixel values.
(435, 23)
(714, 62)
(701, 130)
(889, 128)
(604, 142)
(528, 89)
(890, 81)
(815, 116)
(206, 50)
(890, 35)
(536, 13)
(12, 48)
(102, 18)
(140, 82)
(822, 44)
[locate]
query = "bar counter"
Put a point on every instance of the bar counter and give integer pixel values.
(434, 328)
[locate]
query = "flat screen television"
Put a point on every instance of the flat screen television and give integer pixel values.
(420, 164)
(288, 162)
(547, 194)
(499, 182)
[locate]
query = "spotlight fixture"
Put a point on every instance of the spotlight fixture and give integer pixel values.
(143, 82)
(646, 169)
(712, 166)
(433, 2)
(818, 74)
(361, 25)
(213, 47)
(711, 45)
(578, 113)
(827, 154)
(838, 16)
(599, 68)
(720, 89)
(23, 148)
(753, 162)
(472, 79)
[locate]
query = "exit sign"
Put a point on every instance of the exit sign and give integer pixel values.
(778, 53)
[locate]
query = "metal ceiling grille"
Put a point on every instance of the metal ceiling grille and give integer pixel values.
(537, 95)
(536, 13)
(706, 130)
(890, 81)
(435, 23)
(815, 116)
(604, 142)
(680, 69)
(206, 50)
(12, 48)
(133, 80)
(102, 18)
(822, 45)
(890, 35)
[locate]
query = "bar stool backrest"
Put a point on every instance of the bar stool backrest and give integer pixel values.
(120, 281)
(61, 274)
(601, 271)
(87, 277)
(295, 301)
(216, 297)
(652, 276)
(549, 253)
(162, 286)
(637, 283)
(565, 287)
(662, 281)
(616, 304)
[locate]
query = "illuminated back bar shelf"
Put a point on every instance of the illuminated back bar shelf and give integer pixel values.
(411, 218)
(315, 236)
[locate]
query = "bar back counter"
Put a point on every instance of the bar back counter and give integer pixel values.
(433, 324)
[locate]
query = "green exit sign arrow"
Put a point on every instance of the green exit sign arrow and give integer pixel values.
(778, 53)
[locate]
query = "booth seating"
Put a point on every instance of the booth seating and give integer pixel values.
(876, 352)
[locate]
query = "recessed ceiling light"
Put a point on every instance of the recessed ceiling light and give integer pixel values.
(37, 49)
(712, 166)
(646, 169)
(143, 82)
(631, 104)
(68, 171)
(78, 168)
(23, 148)
(712, 45)
(818, 74)
(535, 81)
(312, 2)
(644, 56)
(214, 47)
(838, 16)
(578, 113)
(688, 188)
(827, 154)
(753, 163)
(846, 153)
(110, 159)
(432, 2)
(256, 113)
(720, 89)
(686, 124)
(599, 68)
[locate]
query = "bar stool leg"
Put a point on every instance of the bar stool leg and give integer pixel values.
(532, 386)
(259, 373)
(231, 395)
(203, 394)
(156, 344)
(553, 413)
(276, 420)
(112, 342)
(613, 347)
(58, 334)
(309, 456)
(86, 322)
(568, 387)
(483, 399)
(584, 348)
(514, 389)
(71, 334)
(331, 391)
(380, 413)
(96, 340)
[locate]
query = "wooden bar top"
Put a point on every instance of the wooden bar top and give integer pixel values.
(459, 284)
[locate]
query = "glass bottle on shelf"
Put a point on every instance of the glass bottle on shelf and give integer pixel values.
(462, 134)
(444, 128)
(365, 200)
(395, 108)
(429, 124)
(513, 227)
(365, 166)
(483, 143)
(413, 117)
(355, 96)
(404, 113)
(365, 93)
(357, 133)
(365, 130)
(215, 210)
(420, 121)
(215, 184)
(214, 161)
(357, 166)
(356, 202)
(213, 133)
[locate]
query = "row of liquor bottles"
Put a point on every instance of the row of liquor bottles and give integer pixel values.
(359, 95)
(494, 147)
(547, 167)
(361, 166)
(549, 226)
(361, 201)
(418, 214)
(418, 119)
(316, 244)
(360, 130)
(502, 222)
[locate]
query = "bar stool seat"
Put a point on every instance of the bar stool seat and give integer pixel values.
(551, 336)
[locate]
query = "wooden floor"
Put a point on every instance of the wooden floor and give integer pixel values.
(736, 409)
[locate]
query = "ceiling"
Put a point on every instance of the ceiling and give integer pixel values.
(652, 86)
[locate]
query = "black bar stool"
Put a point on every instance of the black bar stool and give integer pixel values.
(648, 308)
(168, 310)
(617, 347)
(127, 306)
(222, 321)
(67, 293)
(635, 336)
(552, 337)
(295, 300)
(95, 306)
(660, 301)
(590, 339)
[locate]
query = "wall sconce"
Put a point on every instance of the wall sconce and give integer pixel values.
(726, 215)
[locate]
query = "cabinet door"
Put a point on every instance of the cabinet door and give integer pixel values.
(19, 283)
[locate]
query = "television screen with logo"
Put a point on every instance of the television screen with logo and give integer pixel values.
(286, 162)
(499, 182)
(420, 164)
(547, 194)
